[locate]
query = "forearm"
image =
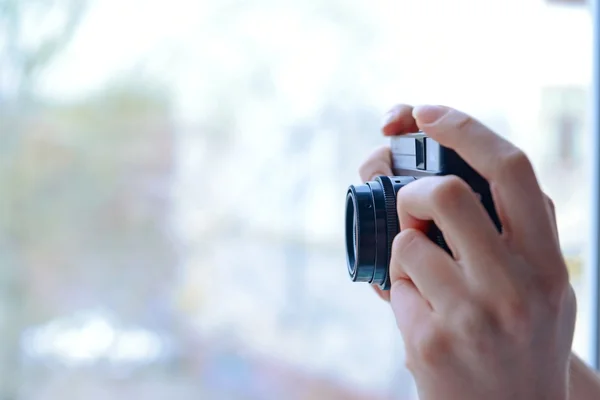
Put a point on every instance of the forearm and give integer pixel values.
(584, 382)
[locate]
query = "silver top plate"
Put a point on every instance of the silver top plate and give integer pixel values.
(415, 154)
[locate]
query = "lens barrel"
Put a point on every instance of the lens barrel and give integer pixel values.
(371, 225)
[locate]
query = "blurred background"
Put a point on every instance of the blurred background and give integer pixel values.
(173, 176)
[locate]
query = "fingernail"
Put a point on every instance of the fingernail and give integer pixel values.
(428, 114)
(390, 116)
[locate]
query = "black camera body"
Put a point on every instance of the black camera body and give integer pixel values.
(371, 217)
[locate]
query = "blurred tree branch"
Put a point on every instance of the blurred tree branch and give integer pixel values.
(25, 60)
(21, 61)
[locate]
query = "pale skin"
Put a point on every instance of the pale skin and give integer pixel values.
(495, 319)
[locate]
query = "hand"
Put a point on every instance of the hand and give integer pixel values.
(495, 320)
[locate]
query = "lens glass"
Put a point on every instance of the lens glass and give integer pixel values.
(352, 236)
(355, 237)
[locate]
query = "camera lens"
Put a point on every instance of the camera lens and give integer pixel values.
(371, 225)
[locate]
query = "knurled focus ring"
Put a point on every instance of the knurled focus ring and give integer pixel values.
(391, 218)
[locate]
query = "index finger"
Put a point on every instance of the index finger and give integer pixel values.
(519, 198)
(399, 120)
(487, 152)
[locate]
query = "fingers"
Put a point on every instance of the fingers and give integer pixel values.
(458, 213)
(378, 163)
(410, 309)
(495, 158)
(518, 196)
(399, 120)
(434, 273)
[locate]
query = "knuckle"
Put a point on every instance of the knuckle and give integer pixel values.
(558, 281)
(556, 290)
(405, 242)
(516, 310)
(550, 203)
(471, 320)
(551, 207)
(410, 363)
(474, 326)
(571, 302)
(561, 279)
(463, 122)
(515, 161)
(432, 345)
(516, 317)
(450, 192)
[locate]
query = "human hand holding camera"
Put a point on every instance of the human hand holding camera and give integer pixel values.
(490, 314)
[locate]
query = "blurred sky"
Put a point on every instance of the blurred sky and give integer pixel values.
(522, 45)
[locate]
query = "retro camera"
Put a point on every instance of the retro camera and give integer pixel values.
(371, 217)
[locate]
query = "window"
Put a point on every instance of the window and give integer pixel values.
(564, 114)
(564, 142)
(173, 178)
